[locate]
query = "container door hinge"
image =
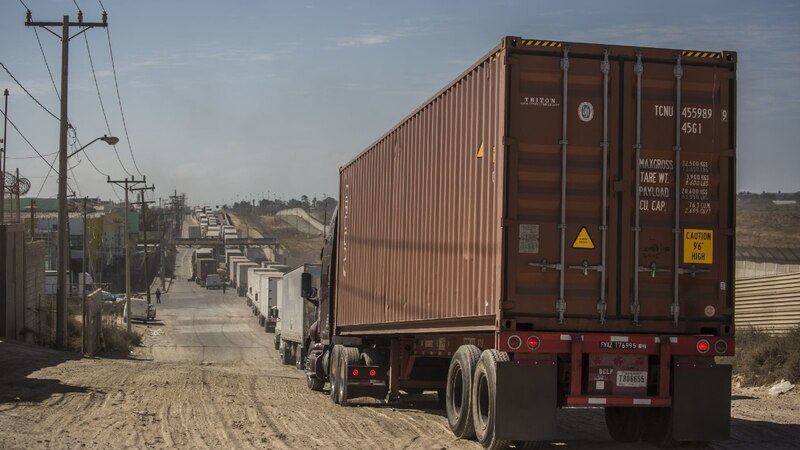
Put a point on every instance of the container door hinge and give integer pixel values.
(545, 265)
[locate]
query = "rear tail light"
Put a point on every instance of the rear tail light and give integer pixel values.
(355, 372)
(721, 346)
(372, 372)
(703, 346)
(534, 342)
(514, 342)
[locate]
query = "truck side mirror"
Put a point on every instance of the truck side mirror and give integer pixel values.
(305, 284)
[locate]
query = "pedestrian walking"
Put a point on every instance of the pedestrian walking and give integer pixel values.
(158, 295)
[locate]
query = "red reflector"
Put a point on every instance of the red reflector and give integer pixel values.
(703, 346)
(355, 372)
(533, 342)
(372, 372)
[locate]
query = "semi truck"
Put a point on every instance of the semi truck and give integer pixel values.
(268, 297)
(295, 312)
(203, 268)
(553, 229)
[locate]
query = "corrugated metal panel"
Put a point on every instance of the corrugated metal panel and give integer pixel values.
(419, 218)
(777, 255)
(769, 303)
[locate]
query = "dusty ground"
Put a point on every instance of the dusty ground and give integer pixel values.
(760, 223)
(207, 377)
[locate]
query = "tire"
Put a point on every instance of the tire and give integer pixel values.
(458, 401)
(624, 424)
(286, 353)
(349, 356)
(277, 342)
(333, 372)
(484, 399)
(314, 383)
(657, 427)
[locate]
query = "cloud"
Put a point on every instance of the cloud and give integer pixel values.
(368, 39)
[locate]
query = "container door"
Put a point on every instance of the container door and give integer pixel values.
(562, 154)
(619, 207)
(678, 153)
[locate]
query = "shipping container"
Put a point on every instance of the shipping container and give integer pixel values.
(295, 313)
(555, 204)
(203, 268)
(253, 286)
(268, 297)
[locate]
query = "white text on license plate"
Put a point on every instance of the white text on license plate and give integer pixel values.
(628, 378)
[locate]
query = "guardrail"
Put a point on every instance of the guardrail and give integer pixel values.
(770, 303)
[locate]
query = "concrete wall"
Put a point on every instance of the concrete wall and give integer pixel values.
(302, 221)
(36, 305)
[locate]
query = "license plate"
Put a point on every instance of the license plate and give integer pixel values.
(627, 378)
(619, 345)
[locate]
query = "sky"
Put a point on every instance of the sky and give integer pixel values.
(232, 100)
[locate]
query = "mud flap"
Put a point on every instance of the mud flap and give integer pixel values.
(701, 402)
(526, 401)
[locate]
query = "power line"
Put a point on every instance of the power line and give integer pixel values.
(27, 92)
(24, 5)
(119, 99)
(76, 5)
(46, 63)
(26, 140)
(30, 157)
(46, 176)
(102, 106)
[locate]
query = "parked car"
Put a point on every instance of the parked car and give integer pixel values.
(108, 297)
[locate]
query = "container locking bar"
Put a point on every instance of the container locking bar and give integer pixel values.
(652, 269)
(585, 267)
(545, 265)
(638, 68)
(675, 308)
(692, 270)
(561, 304)
(601, 303)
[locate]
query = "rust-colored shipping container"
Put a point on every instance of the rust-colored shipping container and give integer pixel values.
(555, 228)
(510, 197)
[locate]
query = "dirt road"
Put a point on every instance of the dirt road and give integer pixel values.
(207, 377)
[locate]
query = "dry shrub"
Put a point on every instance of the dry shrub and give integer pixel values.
(763, 359)
(120, 340)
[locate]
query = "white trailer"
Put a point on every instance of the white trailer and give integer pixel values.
(295, 314)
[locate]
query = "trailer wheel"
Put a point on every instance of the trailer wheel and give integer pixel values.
(484, 407)
(277, 342)
(333, 373)
(314, 383)
(349, 356)
(286, 353)
(459, 391)
(624, 424)
(658, 427)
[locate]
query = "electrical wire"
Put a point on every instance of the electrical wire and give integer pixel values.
(53, 80)
(27, 92)
(24, 5)
(102, 106)
(76, 5)
(30, 157)
(46, 177)
(119, 100)
(101, 5)
(27, 141)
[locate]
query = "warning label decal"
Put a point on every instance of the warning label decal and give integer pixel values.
(698, 246)
(583, 240)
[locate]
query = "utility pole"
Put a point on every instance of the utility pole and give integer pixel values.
(3, 162)
(143, 204)
(83, 277)
(33, 218)
(63, 237)
(124, 184)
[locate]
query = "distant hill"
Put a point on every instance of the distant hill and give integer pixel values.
(762, 223)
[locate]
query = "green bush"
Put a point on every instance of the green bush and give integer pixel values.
(120, 340)
(762, 358)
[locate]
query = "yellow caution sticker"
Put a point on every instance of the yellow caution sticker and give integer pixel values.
(583, 240)
(698, 246)
(479, 153)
